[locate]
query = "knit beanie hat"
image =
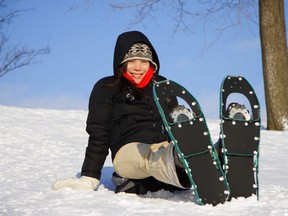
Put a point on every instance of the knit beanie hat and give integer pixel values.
(139, 51)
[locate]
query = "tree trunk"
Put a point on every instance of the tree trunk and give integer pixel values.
(275, 62)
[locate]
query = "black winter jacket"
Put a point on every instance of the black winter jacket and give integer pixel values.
(113, 119)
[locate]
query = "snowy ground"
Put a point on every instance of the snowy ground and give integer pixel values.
(39, 146)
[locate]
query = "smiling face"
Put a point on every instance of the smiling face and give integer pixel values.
(137, 68)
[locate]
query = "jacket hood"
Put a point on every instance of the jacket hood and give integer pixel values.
(124, 43)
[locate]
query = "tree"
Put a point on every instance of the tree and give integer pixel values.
(11, 56)
(275, 62)
(269, 14)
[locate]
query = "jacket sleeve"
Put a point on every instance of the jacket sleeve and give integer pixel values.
(98, 128)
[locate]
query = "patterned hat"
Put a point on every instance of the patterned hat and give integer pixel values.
(139, 51)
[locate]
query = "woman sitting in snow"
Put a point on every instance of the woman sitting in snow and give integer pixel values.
(123, 117)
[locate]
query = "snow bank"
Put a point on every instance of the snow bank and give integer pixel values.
(39, 146)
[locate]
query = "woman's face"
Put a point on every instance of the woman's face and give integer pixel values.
(137, 68)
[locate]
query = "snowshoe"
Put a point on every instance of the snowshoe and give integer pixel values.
(187, 129)
(239, 138)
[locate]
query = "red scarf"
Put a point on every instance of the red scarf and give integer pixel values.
(145, 80)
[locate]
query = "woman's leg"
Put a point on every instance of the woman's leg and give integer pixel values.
(139, 160)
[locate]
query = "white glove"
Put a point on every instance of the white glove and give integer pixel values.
(82, 183)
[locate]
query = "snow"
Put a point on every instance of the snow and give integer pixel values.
(39, 146)
(285, 123)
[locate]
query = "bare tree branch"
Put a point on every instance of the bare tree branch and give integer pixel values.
(144, 10)
(81, 5)
(17, 58)
(13, 57)
(225, 15)
(143, 4)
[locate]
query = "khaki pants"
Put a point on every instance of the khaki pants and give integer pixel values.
(139, 160)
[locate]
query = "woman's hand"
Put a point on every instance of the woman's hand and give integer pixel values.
(82, 183)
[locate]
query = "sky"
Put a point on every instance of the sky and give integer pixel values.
(82, 43)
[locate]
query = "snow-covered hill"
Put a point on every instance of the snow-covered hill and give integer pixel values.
(39, 146)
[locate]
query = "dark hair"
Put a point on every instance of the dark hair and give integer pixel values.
(119, 76)
(128, 90)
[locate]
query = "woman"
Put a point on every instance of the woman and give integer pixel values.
(124, 118)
